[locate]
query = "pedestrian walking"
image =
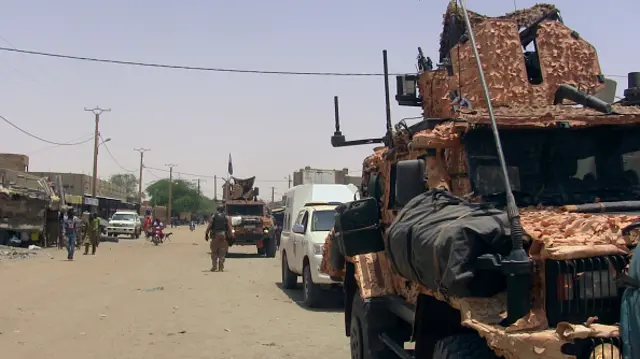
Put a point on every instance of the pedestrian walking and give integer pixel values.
(91, 236)
(61, 239)
(218, 230)
(70, 228)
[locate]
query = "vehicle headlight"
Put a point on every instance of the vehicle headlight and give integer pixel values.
(587, 285)
(317, 248)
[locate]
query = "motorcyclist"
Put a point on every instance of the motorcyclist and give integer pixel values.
(157, 228)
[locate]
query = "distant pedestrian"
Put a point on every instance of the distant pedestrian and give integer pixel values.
(61, 239)
(91, 236)
(219, 230)
(70, 228)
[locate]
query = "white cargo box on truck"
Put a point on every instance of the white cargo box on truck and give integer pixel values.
(295, 198)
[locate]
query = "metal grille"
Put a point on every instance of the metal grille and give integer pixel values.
(590, 348)
(581, 288)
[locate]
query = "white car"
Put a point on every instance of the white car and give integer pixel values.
(125, 222)
(302, 252)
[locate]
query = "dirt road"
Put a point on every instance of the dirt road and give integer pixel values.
(134, 300)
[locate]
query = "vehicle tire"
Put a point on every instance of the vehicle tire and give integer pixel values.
(271, 248)
(364, 342)
(463, 346)
(137, 236)
(261, 251)
(311, 292)
(289, 279)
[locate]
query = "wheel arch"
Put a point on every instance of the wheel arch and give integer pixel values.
(426, 332)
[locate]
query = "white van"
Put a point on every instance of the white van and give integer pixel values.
(308, 217)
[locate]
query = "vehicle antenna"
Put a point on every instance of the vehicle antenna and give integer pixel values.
(517, 266)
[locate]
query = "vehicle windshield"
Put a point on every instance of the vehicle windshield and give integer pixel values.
(123, 217)
(323, 220)
(557, 166)
(245, 210)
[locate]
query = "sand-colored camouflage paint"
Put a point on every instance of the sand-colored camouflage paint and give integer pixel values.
(554, 233)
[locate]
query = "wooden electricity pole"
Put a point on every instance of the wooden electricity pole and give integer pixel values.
(171, 166)
(97, 111)
(142, 151)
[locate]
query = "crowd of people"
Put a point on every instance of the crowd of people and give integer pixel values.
(75, 232)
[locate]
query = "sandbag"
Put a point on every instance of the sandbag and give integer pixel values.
(437, 237)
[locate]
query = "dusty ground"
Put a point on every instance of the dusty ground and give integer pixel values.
(134, 300)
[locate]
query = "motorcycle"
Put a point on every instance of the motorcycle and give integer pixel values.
(157, 235)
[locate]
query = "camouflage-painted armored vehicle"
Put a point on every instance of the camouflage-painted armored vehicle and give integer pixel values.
(494, 226)
(252, 224)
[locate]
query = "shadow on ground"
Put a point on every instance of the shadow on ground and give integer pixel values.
(244, 255)
(333, 300)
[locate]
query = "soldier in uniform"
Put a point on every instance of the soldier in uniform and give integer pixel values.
(219, 230)
(92, 234)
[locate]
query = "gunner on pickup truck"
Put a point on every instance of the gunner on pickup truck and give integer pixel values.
(219, 229)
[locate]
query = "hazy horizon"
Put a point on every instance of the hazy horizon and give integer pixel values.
(272, 125)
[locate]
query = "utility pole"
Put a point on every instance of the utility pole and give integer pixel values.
(215, 187)
(97, 111)
(273, 194)
(170, 189)
(142, 151)
(198, 186)
(289, 181)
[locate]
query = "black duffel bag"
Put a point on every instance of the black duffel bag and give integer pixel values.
(437, 238)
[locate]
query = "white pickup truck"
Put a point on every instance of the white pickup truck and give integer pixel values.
(304, 252)
(124, 222)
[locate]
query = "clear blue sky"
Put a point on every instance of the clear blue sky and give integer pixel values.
(272, 125)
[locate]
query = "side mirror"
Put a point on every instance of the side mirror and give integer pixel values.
(298, 228)
(410, 181)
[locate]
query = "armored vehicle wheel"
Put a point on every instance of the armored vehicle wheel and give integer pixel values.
(463, 346)
(289, 279)
(364, 341)
(312, 294)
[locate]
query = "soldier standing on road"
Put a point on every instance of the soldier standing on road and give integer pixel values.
(92, 234)
(219, 229)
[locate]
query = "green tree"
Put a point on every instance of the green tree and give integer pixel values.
(127, 181)
(185, 196)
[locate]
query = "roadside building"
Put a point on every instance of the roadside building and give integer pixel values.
(78, 188)
(14, 162)
(310, 175)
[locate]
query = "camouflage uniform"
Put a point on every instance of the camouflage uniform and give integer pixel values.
(92, 235)
(219, 247)
(219, 244)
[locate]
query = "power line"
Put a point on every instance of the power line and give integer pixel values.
(151, 172)
(112, 156)
(208, 176)
(186, 67)
(201, 68)
(50, 147)
(42, 139)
